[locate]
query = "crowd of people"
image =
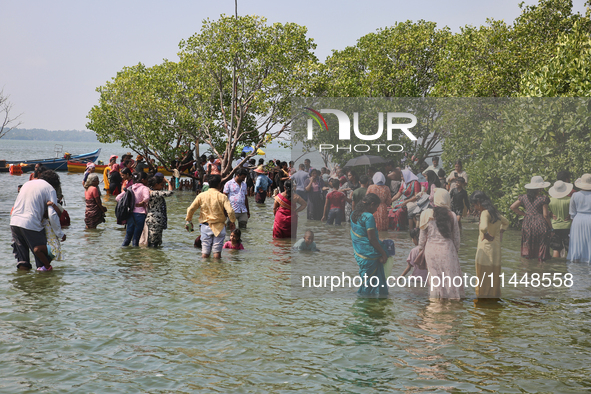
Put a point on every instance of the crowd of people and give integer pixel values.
(428, 204)
(431, 205)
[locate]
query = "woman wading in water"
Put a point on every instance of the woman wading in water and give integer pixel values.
(370, 253)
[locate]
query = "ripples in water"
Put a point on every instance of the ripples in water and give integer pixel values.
(113, 319)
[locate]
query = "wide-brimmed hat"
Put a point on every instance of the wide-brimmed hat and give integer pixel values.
(584, 182)
(560, 189)
(260, 170)
(139, 157)
(537, 182)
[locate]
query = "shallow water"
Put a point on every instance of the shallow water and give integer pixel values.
(113, 319)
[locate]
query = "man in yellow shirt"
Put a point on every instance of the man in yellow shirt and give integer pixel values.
(212, 217)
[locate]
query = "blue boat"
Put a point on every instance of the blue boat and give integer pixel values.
(60, 164)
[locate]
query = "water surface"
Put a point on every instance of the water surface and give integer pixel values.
(113, 319)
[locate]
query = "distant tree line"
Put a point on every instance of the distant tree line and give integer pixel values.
(51, 135)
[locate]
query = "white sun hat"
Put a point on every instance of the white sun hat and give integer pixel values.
(560, 189)
(537, 182)
(584, 182)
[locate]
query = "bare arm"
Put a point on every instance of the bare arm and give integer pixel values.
(302, 203)
(191, 210)
(408, 267)
(55, 206)
(325, 211)
(546, 211)
(515, 208)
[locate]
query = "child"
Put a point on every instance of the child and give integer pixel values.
(459, 198)
(414, 234)
(205, 186)
(235, 242)
(306, 243)
(334, 208)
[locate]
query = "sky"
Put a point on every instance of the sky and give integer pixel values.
(55, 54)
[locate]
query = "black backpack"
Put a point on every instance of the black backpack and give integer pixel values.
(125, 206)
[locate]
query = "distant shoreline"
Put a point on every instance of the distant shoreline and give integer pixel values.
(50, 135)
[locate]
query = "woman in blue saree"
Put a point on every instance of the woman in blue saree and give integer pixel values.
(369, 250)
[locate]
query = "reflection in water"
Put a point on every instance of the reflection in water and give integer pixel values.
(37, 290)
(36, 299)
(370, 317)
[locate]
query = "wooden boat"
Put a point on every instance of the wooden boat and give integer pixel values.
(60, 164)
(76, 166)
(80, 167)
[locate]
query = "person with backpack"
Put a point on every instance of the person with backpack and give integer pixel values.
(137, 217)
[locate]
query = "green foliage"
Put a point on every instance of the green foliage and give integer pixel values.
(478, 62)
(490, 60)
(530, 137)
(394, 62)
(231, 87)
(244, 74)
(397, 61)
(139, 108)
(568, 73)
(504, 142)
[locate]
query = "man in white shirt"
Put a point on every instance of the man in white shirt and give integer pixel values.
(433, 167)
(236, 191)
(28, 234)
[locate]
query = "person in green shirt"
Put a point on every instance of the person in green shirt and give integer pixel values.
(561, 221)
(360, 192)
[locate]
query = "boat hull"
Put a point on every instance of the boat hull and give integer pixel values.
(60, 164)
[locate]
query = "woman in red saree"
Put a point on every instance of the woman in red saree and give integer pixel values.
(407, 193)
(286, 213)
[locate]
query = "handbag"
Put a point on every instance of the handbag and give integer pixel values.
(64, 219)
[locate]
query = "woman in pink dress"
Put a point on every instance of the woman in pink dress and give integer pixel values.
(380, 189)
(440, 240)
